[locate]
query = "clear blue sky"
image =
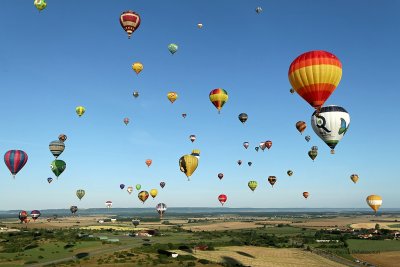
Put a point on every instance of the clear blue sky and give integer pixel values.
(74, 54)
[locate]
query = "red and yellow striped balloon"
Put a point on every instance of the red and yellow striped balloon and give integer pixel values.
(315, 75)
(218, 97)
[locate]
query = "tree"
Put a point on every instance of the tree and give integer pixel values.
(377, 226)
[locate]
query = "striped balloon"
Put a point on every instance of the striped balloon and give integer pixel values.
(130, 22)
(218, 97)
(374, 202)
(15, 160)
(315, 75)
(56, 148)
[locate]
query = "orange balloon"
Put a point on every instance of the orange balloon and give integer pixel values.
(148, 162)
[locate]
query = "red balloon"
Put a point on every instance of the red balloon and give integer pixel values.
(130, 21)
(15, 160)
(222, 198)
(268, 144)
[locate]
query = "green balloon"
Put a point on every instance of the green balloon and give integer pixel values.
(313, 154)
(58, 166)
(80, 193)
(138, 186)
(173, 48)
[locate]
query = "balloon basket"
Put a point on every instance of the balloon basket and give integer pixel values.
(332, 151)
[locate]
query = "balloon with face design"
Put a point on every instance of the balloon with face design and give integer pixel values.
(331, 124)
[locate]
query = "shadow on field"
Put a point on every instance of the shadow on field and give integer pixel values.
(245, 254)
(228, 261)
(81, 255)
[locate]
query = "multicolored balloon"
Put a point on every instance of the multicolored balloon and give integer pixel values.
(15, 160)
(80, 110)
(143, 196)
(375, 202)
(218, 98)
(126, 121)
(73, 209)
(173, 48)
(108, 204)
(56, 148)
(315, 75)
(331, 124)
(137, 67)
(222, 199)
(23, 216)
(62, 137)
(246, 145)
(49, 180)
(301, 126)
(272, 180)
(161, 208)
(35, 214)
(40, 4)
(130, 22)
(192, 137)
(58, 166)
(313, 154)
(80, 193)
(289, 172)
(188, 164)
(354, 178)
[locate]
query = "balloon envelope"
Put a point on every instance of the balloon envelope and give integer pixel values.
(80, 110)
(173, 48)
(252, 185)
(80, 193)
(56, 148)
(58, 166)
(218, 98)
(15, 160)
(374, 201)
(137, 67)
(188, 164)
(130, 21)
(354, 178)
(222, 199)
(143, 196)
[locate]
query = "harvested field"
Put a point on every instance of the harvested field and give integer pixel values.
(383, 259)
(263, 257)
(220, 226)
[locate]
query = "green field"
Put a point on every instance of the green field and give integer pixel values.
(359, 246)
(394, 225)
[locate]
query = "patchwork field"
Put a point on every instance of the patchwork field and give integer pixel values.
(384, 259)
(382, 225)
(263, 257)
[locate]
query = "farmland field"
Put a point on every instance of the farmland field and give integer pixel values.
(357, 245)
(263, 257)
(386, 259)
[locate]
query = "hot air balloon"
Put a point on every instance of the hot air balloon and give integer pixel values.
(256, 148)
(192, 137)
(306, 194)
(314, 148)
(161, 208)
(331, 124)
(222, 199)
(173, 48)
(315, 75)
(62, 137)
(58, 166)
(220, 175)
(23, 216)
(195, 153)
(291, 90)
(374, 202)
(49, 180)
(143, 196)
(308, 138)
(272, 180)
(290, 172)
(162, 184)
(108, 204)
(301, 126)
(313, 154)
(80, 193)
(188, 164)
(130, 22)
(137, 67)
(252, 185)
(153, 193)
(135, 94)
(126, 121)
(15, 160)
(80, 110)
(135, 222)
(73, 209)
(249, 163)
(243, 117)
(130, 189)
(122, 186)
(184, 115)
(35, 214)
(262, 146)
(354, 178)
(40, 4)
(218, 98)
(200, 25)
(239, 162)
(56, 148)
(258, 10)
(246, 145)
(138, 186)
(172, 96)
(148, 162)
(268, 144)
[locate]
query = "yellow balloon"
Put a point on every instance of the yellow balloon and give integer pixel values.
(200, 25)
(80, 110)
(137, 67)
(172, 96)
(153, 193)
(252, 185)
(188, 164)
(374, 202)
(354, 178)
